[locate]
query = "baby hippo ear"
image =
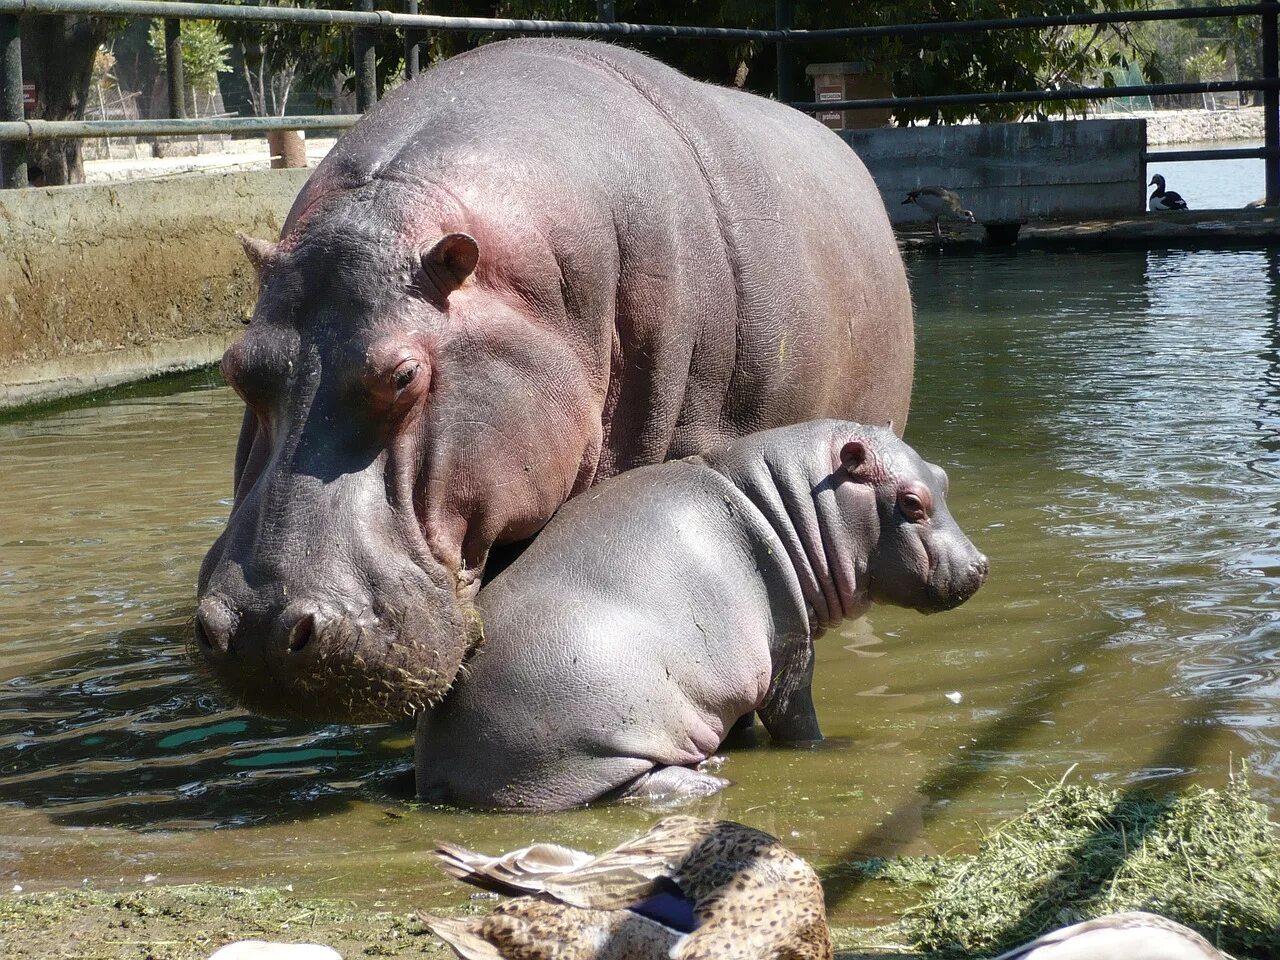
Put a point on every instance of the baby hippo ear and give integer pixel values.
(449, 261)
(262, 254)
(855, 458)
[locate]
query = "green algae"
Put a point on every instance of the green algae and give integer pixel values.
(190, 922)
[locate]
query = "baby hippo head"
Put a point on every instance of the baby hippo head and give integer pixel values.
(862, 517)
(921, 558)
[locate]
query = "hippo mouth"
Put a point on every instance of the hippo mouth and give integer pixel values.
(948, 583)
(333, 666)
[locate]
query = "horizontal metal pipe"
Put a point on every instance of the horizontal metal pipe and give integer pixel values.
(386, 20)
(60, 129)
(1027, 23)
(1227, 153)
(377, 20)
(1036, 96)
(51, 130)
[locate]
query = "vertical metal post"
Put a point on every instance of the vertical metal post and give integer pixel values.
(783, 17)
(366, 62)
(14, 163)
(173, 68)
(412, 42)
(1271, 101)
(606, 11)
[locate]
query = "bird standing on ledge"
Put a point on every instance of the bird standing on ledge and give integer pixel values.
(1164, 200)
(939, 202)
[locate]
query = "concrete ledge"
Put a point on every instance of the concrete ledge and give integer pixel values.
(103, 284)
(85, 373)
(1195, 229)
(1011, 171)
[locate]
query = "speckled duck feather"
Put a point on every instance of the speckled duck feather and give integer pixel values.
(751, 897)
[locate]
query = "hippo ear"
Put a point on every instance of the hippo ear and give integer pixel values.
(450, 260)
(262, 254)
(854, 457)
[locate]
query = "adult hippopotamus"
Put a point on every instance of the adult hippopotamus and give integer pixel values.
(539, 264)
(658, 609)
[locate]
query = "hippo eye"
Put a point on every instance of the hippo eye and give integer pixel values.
(405, 374)
(913, 506)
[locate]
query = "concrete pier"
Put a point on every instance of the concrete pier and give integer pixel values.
(101, 285)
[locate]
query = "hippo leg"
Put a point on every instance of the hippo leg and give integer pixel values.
(667, 784)
(789, 714)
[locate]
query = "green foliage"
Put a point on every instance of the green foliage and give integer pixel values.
(1209, 859)
(204, 53)
(976, 62)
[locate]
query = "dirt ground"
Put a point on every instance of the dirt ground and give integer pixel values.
(191, 922)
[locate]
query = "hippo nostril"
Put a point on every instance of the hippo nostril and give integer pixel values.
(980, 567)
(302, 632)
(213, 631)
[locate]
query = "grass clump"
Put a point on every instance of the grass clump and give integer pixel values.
(1209, 859)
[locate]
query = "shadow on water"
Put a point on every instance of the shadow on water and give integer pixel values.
(1181, 753)
(128, 734)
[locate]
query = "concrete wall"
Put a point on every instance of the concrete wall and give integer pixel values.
(1069, 169)
(104, 284)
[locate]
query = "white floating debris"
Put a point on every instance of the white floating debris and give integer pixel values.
(17, 888)
(261, 950)
(955, 696)
(150, 878)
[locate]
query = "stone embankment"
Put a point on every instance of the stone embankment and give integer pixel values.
(1198, 126)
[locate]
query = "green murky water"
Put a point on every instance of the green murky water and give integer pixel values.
(1111, 424)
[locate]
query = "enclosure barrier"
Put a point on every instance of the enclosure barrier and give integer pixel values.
(16, 130)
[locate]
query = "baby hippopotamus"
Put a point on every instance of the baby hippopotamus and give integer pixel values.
(664, 605)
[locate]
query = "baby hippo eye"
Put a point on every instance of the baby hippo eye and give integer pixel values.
(915, 503)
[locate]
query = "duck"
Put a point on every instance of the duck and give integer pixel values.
(1133, 935)
(1163, 200)
(939, 202)
(687, 889)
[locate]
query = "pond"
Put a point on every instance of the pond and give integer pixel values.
(1111, 424)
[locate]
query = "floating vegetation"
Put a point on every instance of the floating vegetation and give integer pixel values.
(1209, 859)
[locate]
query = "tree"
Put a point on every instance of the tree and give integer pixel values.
(204, 54)
(60, 51)
(58, 56)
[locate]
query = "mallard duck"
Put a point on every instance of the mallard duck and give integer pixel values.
(1118, 936)
(1163, 200)
(939, 202)
(689, 889)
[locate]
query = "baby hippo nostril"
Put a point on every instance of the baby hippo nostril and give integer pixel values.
(980, 567)
(302, 632)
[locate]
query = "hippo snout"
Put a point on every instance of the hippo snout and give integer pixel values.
(315, 659)
(956, 581)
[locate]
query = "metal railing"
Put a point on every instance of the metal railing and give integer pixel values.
(16, 130)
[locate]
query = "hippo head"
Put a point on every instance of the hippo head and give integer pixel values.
(399, 423)
(921, 558)
(862, 516)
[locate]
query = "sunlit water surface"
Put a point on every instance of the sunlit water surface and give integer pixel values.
(1111, 426)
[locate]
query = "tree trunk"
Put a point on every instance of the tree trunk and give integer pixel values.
(288, 149)
(57, 56)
